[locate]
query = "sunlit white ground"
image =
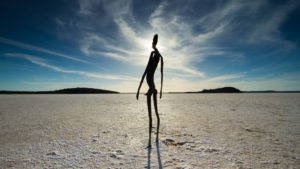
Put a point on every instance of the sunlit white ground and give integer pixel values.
(111, 131)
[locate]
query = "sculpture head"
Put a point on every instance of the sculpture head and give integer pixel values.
(154, 42)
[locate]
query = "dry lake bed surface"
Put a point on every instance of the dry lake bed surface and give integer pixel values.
(111, 131)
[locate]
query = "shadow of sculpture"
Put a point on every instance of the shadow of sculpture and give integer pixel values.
(160, 166)
(149, 158)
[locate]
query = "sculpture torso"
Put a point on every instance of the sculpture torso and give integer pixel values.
(152, 65)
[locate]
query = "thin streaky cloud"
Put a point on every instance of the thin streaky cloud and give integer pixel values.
(226, 77)
(43, 63)
(137, 43)
(205, 44)
(38, 49)
(179, 43)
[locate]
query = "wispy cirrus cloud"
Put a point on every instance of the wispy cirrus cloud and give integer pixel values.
(132, 43)
(38, 49)
(256, 22)
(240, 81)
(41, 62)
(204, 43)
(187, 34)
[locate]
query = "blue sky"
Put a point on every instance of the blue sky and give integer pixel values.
(251, 45)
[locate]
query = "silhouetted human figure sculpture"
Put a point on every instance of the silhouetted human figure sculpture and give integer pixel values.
(150, 70)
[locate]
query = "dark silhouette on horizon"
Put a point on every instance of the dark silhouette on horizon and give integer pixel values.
(222, 90)
(77, 90)
(154, 58)
(219, 90)
(85, 90)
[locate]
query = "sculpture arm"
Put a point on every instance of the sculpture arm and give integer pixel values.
(162, 75)
(143, 77)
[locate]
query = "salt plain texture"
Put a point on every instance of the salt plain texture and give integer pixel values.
(111, 131)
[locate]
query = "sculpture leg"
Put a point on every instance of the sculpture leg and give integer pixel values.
(156, 112)
(150, 117)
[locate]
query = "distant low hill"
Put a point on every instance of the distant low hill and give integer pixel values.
(219, 90)
(222, 90)
(272, 91)
(78, 90)
(234, 90)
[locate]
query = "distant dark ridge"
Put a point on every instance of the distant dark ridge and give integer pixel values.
(234, 90)
(78, 90)
(222, 90)
(271, 91)
(219, 90)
